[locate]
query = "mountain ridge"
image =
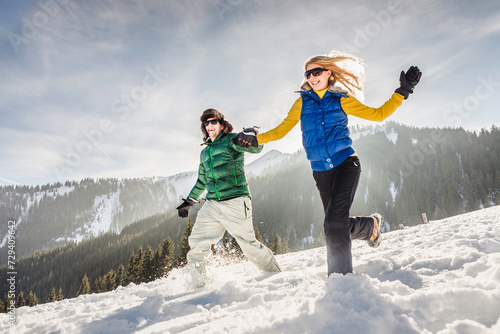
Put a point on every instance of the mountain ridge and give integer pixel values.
(406, 171)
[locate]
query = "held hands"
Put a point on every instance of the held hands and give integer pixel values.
(408, 81)
(247, 137)
(185, 206)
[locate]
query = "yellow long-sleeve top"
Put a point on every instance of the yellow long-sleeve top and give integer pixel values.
(350, 105)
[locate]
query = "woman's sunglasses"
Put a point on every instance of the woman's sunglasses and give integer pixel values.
(315, 72)
(212, 121)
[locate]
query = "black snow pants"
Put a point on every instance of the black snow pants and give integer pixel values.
(337, 188)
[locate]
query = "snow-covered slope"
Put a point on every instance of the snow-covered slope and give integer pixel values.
(443, 277)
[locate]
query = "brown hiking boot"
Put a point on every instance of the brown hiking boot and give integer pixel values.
(374, 241)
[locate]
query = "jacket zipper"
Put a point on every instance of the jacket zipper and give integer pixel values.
(235, 178)
(212, 171)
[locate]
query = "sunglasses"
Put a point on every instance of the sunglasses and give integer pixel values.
(212, 121)
(315, 72)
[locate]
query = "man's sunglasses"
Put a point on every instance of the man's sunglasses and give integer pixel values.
(315, 72)
(212, 121)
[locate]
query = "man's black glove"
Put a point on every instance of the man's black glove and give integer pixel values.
(247, 137)
(185, 206)
(408, 81)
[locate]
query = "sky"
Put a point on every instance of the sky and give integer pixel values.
(442, 277)
(116, 88)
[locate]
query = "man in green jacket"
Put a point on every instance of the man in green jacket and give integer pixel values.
(228, 206)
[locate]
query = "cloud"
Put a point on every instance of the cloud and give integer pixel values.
(27, 153)
(88, 63)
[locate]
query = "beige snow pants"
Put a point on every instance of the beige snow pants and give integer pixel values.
(235, 216)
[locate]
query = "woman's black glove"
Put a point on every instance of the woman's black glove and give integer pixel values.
(185, 206)
(408, 81)
(247, 137)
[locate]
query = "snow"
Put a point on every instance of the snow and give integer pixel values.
(103, 211)
(358, 135)
(392, 136)
(102, 214)
(35, 200)
(65, 190)
(393, 191)
(180, 185)
(441, 277)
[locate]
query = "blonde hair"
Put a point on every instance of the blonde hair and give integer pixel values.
(348, 72)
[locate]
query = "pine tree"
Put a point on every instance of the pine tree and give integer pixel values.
(259, 236)
(284, 247)
(99, 285)
(275, 244)
(167, 257)
(129, 273)
(157, 263)
(32, 299)
(52, 296)
(147, 270)
(110, 281)
(20, 301)
(138, 267)
(84, 286)
(278, 246)
(2, 306)
(60, 295)
(184, 246)
(120, 276)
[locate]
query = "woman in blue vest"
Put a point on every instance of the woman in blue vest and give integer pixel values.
(326, 98)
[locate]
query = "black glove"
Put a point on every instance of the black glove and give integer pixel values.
(408, 81)
(185, 206)
(247, 137)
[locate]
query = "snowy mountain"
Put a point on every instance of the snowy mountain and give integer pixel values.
(406, 171)
(93, 207)
(53, 215)
(442, 277)
(389, 132)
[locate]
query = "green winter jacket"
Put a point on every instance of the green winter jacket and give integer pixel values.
(222, 169)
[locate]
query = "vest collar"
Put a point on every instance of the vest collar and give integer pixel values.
(335, 90)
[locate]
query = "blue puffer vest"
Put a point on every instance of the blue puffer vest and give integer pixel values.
(325, 135)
